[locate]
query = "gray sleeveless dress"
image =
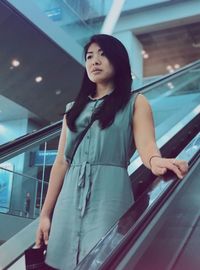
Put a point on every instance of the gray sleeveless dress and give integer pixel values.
(96, 191)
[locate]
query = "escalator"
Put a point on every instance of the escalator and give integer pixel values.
(176, 126)
(171, 239)
(164, 237)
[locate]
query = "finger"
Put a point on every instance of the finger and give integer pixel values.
(38, 242)
(183, 166)
(159, 171)
(175, 169)
(46, 237)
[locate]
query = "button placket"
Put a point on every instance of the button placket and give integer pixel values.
(88, 135)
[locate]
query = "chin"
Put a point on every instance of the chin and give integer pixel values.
(97, 80)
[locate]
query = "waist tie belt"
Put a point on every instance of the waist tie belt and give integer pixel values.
(84, 182)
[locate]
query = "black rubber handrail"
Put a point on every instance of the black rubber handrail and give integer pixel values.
(38, 135)
(136, 219)
(136, 231)
(171, 75)
(32, 138)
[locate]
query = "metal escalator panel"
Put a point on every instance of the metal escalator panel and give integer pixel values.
(12, 252)
(114, 250)
(172, 240)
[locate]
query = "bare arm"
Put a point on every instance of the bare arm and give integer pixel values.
(144, 131)
(144, 136)
(57, 175)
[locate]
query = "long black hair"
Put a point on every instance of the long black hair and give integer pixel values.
(117, 54)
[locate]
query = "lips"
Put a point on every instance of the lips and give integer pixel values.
(96, 70)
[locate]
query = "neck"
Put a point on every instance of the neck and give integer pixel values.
(102, 90)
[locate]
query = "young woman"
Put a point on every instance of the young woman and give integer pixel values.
(88, 195)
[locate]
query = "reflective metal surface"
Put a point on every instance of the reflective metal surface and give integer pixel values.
(133, 219)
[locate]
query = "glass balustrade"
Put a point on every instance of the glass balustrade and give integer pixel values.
(24, 180)
(173, 99)
(79, 19)
(20, 195)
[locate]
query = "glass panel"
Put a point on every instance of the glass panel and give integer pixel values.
(80, 19)
(20, 200)
(24, 182)
(174, 99)
(131, 5)
(19, 194)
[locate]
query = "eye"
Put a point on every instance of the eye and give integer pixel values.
(102, 53)
(88, 57)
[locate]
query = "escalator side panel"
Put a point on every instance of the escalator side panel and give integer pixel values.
(171, 239)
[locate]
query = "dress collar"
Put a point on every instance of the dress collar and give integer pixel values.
(95, 99)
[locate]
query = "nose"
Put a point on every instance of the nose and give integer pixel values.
(96, 60)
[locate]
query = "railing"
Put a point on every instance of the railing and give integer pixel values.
(186, 78)
(80, 19)
(128, 227)
(127, 230)
(31, 156)
(20, 194)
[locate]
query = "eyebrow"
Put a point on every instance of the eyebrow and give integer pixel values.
(92, 52)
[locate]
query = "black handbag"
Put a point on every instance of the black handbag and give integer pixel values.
(35, 257)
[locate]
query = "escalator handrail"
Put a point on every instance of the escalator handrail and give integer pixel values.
(159, 81)
(27, 139)
(22, 143)
(9, 260)
(137, 228)
(30, 136)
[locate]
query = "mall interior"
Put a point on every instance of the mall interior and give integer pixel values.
(42, 67)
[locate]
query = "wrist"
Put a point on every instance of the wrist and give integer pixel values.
(45, 214)
(152, 157)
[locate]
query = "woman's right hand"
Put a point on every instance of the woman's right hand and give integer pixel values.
(42, 234)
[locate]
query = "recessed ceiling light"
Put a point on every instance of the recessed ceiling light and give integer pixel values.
(196, 44)
(38, 79)
(146, 56)
(15, 63)
(58, 92)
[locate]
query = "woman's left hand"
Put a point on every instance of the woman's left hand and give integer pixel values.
(159, 166)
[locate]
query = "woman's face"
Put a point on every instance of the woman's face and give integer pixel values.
(98, 67)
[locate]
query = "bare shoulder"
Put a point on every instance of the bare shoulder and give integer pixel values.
(141, 103)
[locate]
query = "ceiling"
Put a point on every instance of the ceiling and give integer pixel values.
(38, 56)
